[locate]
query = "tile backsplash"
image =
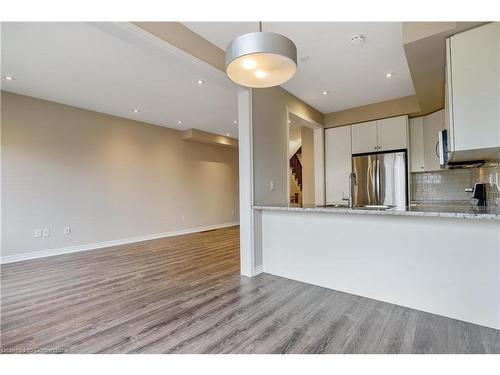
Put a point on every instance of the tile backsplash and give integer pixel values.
(449, 185)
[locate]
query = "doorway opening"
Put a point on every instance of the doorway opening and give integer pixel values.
(304, 161)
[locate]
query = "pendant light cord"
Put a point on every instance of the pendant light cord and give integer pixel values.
(260, 26)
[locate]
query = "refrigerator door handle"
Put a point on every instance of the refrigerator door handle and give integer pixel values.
(371, 178)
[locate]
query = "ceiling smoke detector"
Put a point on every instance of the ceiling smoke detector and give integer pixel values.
(357, 40)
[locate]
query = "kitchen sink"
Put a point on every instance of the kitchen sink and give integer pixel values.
(365, 207)
(373, 207)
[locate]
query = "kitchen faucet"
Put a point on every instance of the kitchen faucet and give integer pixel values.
(352, 183)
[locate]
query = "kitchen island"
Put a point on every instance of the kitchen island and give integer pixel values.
(442, 259)
(421, 209)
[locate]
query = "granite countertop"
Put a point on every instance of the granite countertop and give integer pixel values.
(450, 210)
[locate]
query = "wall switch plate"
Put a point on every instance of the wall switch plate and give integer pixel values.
(38, 233)
(67, 230)
(46, 232)
(272, 186)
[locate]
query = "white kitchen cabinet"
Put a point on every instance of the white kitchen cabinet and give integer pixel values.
(417, 151)
(473, 93)
(392, 133)
(337, 163)
(424, 137)
(364, 137)
(433, 124)
(381, 135)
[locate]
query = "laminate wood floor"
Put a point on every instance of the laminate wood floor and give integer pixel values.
(184, 294)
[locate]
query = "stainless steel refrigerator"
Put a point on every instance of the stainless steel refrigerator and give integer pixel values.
(380, 179)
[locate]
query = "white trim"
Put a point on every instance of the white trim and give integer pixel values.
(287, 148)
(105, 244)
(319, 156)
(245, 155)
(319, 167)
(258, 270)
(310, 122)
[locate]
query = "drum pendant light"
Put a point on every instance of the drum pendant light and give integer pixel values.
(261, 59)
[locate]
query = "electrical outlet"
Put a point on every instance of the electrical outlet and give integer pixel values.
(46, 232)
(38, 233)
(67, 230)
(232, 213)
(182, 217)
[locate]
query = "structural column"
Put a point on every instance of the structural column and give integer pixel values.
(245, 150)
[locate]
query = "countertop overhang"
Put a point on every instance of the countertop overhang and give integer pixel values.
(421, 210)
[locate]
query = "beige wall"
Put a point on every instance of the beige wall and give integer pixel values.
(307, 165)
(107, 177)
(389, 108)
(270, 143)
(425, 49)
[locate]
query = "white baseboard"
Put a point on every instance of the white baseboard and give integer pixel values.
(258, 270)
(100, 245)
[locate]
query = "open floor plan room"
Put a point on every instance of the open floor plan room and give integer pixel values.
(231, 186)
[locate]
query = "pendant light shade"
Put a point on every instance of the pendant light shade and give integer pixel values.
(261, 59)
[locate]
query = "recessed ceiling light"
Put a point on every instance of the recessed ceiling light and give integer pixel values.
(235, 122)
(389, 75)
(9, 78)
(325, 92)
(289, 122)
(179, 122)
(136, 111)
(357, 40)
(227, 134)
(200, 82)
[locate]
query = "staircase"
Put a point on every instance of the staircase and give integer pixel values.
(296, 176)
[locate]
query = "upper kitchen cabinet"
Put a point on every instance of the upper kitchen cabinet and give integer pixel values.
(417, 150)
(392, 133)
(424, 138)
(337, 163)
(381, 135)
(364, 137)
(473, 93)
(433, 124)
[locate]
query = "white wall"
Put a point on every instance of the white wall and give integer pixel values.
(106, 177)
(445, 266)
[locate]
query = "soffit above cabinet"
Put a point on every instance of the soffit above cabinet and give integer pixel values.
(425, 50)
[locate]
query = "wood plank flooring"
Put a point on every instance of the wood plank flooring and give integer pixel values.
(184, 294)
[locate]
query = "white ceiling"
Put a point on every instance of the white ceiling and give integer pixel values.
(116, 68)
(353, 76)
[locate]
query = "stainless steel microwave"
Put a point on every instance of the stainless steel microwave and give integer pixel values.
(446, 156)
